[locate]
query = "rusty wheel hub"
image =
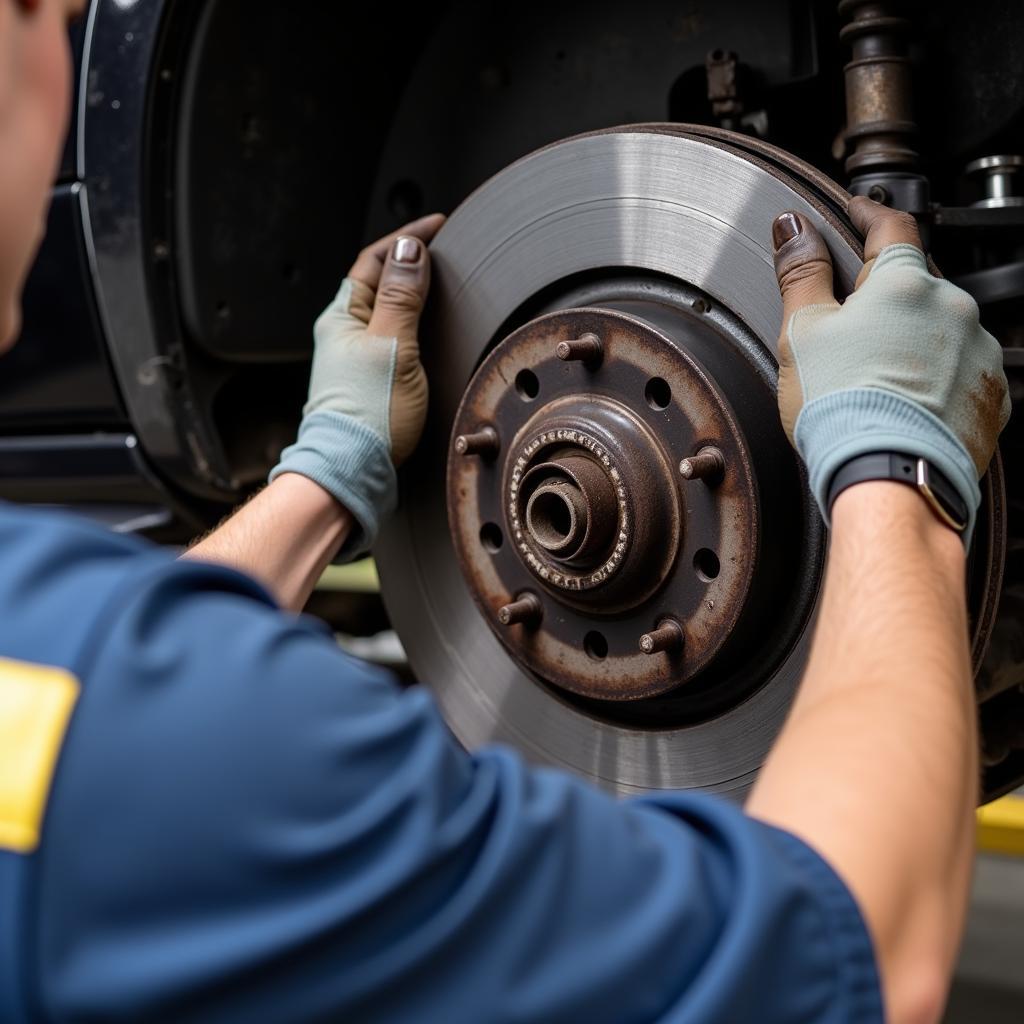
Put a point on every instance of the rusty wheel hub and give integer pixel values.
(606, 553)
(578, 506)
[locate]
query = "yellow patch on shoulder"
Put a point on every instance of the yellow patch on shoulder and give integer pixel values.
(35, 707)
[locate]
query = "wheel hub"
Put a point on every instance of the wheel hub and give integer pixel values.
(578, 503)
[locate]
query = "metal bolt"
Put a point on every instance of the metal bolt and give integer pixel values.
(525, 609)
(586, 348)
(484, 442)
(879, 194)
(668, 637)
(708, 465)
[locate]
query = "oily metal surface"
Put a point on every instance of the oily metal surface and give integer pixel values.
(667, 204)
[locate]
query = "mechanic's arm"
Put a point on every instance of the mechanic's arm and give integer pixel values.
(367, 403)
(250, 824)
(877, 766)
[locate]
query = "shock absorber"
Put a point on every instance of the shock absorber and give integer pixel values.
(880, 126)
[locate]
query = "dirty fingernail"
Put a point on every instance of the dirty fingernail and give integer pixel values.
(784, 227)
(406, 250)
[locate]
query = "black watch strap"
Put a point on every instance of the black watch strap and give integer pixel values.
(941, 496)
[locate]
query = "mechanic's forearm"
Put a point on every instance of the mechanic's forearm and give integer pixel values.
(877, 766)
(285, 538)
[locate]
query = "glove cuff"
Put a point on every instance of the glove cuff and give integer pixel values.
(855, 421)
(351, 462)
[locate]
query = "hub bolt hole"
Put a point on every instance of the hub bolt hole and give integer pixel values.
(658, 393)
(596, 645)
(707, 564)
(491, 537)
(527, 385)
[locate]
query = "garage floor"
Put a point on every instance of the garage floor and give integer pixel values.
(989, 986)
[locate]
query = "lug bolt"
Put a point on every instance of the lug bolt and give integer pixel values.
(668, 637)
(879, 194)
(708, 465)
(586, 348)
(484, 443)
(525, 609)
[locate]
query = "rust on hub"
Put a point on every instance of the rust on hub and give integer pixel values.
(666, 639)
(597, 523)
(571, 507)
(482, 442)
(558, 516)
(586, 349)
(707, 465)
(525, 610)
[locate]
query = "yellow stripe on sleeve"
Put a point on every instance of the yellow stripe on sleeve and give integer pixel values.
(35, 707)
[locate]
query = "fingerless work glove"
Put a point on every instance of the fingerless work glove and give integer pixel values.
(903, 365)
(344, 441)
(367, 390)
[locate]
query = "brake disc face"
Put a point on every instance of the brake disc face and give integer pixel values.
(606, 554)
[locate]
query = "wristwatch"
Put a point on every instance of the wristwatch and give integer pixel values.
(941, 496)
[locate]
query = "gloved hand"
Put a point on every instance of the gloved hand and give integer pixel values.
(903, 365)
(367, 391)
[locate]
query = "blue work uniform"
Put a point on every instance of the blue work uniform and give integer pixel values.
(235, 821)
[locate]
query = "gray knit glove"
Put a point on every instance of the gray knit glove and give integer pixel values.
(367, 391)
(903, 365)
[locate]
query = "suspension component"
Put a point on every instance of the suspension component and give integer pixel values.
(879, 105)
(880, 126)
(999, 180)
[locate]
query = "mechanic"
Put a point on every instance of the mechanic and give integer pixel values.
(210, 813)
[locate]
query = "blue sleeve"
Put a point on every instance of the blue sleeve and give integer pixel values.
(247, 825)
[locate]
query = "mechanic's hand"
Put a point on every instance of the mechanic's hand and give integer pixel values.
(903, 365)
(368, 392)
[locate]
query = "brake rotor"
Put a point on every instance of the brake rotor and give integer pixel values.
(606, 553)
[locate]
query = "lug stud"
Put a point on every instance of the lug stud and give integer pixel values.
(525, 610)
(484, 442)
(667, 638)
(707, 465)
(586, 348)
